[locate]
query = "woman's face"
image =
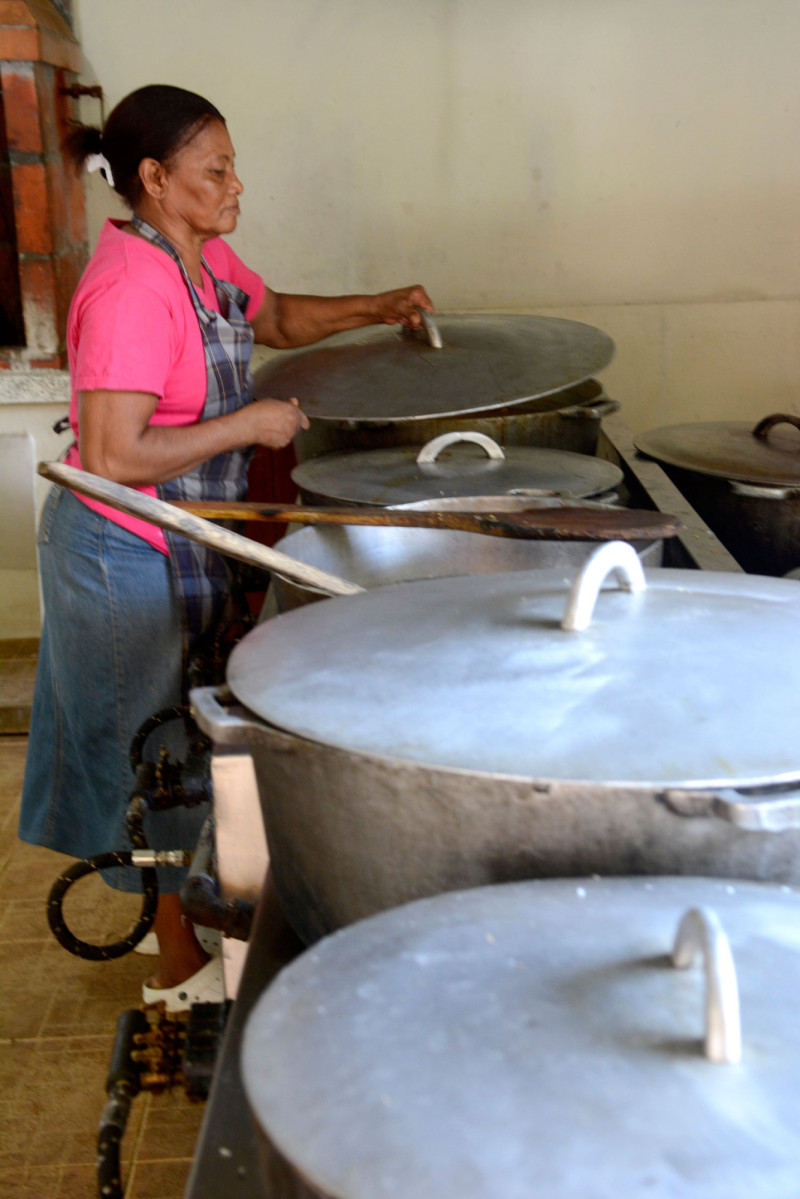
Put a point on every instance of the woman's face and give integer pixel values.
(202, 188)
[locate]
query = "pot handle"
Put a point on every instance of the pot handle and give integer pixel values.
(700, 931)
(431, 329)
(760, 813)
(616, 556)
(222, 726)
(778, 418)
(431, 451)
(598, 409)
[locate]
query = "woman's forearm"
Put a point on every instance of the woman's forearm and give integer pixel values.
(117, 442)
(306, 319)
(285, 320)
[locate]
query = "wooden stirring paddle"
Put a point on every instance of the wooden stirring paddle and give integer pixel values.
(530, 524)
(165, 516)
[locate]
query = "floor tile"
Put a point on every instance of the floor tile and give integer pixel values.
(169, 1129)
(25, 996)
(78, 1182)
(23, 920)
(31, 871)
(58, 1020)
(158, 1180)
(32, 1184)
(59, 1095)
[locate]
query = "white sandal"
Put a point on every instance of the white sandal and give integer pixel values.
(206, 986)
(148, 945)
(209, 938)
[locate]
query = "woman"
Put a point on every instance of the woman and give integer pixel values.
(159, 338)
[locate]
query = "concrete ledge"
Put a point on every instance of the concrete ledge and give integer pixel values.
(34, 387)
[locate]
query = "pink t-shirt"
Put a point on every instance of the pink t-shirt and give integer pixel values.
(132, 327)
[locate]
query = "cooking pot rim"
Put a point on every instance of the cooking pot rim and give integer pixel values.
(323, 675)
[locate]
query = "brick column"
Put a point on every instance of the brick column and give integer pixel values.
(39, 57)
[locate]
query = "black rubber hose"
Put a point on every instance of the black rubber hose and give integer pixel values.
(200, 896)
(122, 1084)
(78, 870)
(201, 903)
(164, 716)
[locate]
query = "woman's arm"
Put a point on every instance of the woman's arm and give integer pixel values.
(117, 443)
(284, 321)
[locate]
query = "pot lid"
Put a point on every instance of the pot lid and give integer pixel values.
(386, 373)
(540, 1038)
(454, 464)
(764, 454)
(670, 678)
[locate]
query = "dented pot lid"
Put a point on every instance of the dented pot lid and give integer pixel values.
(608, 674)
(571, 1038)
(483, 361)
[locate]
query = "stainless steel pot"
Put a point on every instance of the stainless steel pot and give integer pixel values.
(575, 1039)
(463, 463)
(572, 423)
(456, 732)
(744, 481)
(377, 557)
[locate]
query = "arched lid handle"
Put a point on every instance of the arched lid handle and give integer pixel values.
(700, 932)
(616, 556)
(778, 418)
(431, 451)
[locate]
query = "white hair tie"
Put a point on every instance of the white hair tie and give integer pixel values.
(99, 162)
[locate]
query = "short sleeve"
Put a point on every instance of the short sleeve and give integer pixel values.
(126, 338)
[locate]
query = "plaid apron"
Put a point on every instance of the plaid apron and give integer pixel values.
(203, 579)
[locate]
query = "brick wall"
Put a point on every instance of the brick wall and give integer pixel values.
(39, 60)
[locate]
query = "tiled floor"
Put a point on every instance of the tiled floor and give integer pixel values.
(58, 1016)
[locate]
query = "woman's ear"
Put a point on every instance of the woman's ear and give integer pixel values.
(153, 177)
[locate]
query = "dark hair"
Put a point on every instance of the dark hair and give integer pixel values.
(153, 122)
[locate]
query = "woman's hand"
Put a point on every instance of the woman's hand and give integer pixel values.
(285, 321)
(274, 422)
(399, 307)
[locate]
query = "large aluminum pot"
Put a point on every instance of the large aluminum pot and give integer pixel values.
(743, 480)
(455, 732)
(375, 557)
(462, 463)
(575, 1039)
(572, 423)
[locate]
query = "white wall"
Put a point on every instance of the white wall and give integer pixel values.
(632, 163)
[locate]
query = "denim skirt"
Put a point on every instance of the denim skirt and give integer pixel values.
(110, 657)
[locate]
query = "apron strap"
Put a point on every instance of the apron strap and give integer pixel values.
(204, 580)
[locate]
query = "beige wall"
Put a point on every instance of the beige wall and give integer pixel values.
(630, 163)
(633, 163)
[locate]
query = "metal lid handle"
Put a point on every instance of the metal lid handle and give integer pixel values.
(431, 451)
(700, 931)
(431, 329)
(778, 418)
(615, 556)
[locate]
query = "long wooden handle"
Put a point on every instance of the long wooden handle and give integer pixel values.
(600, 523)
(168, 516)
